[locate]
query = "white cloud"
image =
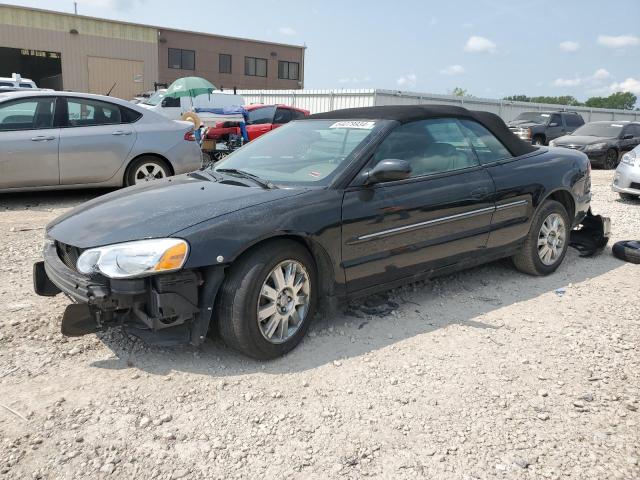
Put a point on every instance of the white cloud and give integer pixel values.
(629, 85)
(620, 41)
(479, 44)
(567, 82)
(601, 74)
(569, 46)
(287, 31)
(408, 80)
(453, 70)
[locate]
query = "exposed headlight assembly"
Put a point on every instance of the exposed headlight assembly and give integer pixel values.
(135, 259)
(631, 158)
(552, 143)
(595, 146)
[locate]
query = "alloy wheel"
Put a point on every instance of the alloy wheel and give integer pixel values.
(551, 239)
(149, 171)
(283, 302)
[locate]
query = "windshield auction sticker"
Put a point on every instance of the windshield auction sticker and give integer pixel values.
(354, 124)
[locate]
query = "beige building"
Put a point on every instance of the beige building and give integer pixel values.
(85, 54)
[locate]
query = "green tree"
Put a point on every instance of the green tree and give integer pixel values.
(460, 92)
(619, 100)
(517, 98)
(563, 100)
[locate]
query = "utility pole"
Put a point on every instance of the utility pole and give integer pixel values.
(75, 8)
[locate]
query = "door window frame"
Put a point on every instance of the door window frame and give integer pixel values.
(55, 121)
(63, 114)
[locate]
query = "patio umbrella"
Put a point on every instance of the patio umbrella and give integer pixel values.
(189, 87)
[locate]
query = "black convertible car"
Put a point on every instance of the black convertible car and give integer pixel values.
(339, 205)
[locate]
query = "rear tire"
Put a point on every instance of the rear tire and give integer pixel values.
(542, 253)
(145, 169)
(538, 140)
(252, 289)
(628, 196)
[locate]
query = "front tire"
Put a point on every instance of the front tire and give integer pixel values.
(628, 196)
(547, 241)
(538, 140)
(611, 159)
(267, 302)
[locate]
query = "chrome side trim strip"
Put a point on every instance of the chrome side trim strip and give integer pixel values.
(519, 203)
(435, 221)
(438, 221)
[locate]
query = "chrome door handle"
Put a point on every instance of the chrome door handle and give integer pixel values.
(122, 132)
(42, 138)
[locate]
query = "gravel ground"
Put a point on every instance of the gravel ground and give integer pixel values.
(484, 374)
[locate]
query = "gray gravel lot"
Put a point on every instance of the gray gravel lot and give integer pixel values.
(484, 374)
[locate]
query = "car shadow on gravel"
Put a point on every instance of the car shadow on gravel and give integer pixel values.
(417, 309)
(48, 200)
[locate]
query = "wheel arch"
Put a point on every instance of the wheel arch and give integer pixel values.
(565, 198)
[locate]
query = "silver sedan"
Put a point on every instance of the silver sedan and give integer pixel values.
(58, 140)
(626, 180)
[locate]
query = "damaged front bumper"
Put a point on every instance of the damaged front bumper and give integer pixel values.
(166, 309)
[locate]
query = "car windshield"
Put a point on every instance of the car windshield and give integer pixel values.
(533, 117)
(155, 98)
(306, 152)
(608, 130)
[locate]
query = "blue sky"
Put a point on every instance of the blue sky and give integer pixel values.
(492, 48)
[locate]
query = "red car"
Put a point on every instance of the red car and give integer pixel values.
(262, 119)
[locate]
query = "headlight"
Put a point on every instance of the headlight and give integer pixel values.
(595, 146)
(631, 158)
(552, 143)
(135, 259)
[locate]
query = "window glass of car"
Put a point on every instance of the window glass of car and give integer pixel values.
(574, 120)
(283, 115)
(533, 117)
(155, 98)
(261, 115)
(83, 112)
(297, 114)
(430, 146)
(25, 85)
(6, 84)
(486, 146)
(27, 114)
(635, 130)
(555, 119)
(310, 153)
(608, 130)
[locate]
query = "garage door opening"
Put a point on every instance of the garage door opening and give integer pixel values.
(44, 68)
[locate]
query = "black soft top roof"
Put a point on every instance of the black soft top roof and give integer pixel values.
(412, 113)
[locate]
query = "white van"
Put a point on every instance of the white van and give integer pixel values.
(174, 108)
(16, 82)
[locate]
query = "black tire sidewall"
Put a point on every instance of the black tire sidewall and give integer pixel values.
(245, 312)
(133, 166)
(538, 140)
(626, 253)
(547, 209)
(607, 165)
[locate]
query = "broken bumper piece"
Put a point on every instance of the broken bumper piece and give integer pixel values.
(591, 235)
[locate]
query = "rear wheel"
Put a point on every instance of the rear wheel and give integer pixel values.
(547, 241)
(538, 140)
(611, 159)
(267, 302)
(146, 169)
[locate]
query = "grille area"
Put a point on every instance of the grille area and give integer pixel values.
(573, 147)
(68, 254)
(635, 185)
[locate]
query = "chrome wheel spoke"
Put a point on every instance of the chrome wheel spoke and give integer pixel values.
(283, 302)
(551, 239)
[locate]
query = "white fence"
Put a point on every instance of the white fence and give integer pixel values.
(318, 101)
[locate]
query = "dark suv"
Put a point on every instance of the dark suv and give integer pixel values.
(540, 128)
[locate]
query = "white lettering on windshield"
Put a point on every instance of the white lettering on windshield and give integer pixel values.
(354, 124)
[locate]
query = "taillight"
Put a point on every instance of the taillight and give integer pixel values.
(190, 137)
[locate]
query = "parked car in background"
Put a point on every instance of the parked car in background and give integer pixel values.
(173, 108)
(261, 119)
(603, 142)
(51, 140)
(540, 128)
(332, 207)
(626, 180)
(16, 82)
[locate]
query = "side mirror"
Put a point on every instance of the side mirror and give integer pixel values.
(628, 136)
(389, 171)
(553, 124)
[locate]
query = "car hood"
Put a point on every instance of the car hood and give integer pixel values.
(580, 140)
(158, 209)
(523, 123)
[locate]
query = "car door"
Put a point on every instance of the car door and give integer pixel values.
(29, 142)
(260, 121)
(555, 127)
(437, 217)
(629, 138)
(95, 142)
